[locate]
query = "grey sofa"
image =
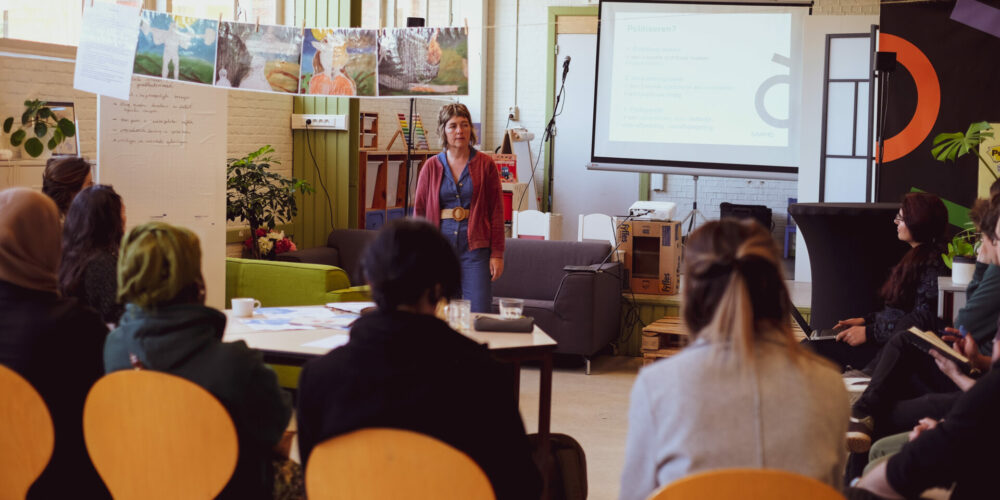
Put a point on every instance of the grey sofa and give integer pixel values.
(344, 248)
(579, 308)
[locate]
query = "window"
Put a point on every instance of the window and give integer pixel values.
(434, 12)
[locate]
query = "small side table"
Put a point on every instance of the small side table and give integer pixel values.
(951, 298)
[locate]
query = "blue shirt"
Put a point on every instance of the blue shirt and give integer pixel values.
(454, 195)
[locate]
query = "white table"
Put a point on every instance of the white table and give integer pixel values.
(287, 347)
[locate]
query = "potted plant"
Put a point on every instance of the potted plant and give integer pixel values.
(952, 145)
(261, 198)
(40, 120)
(961, 256)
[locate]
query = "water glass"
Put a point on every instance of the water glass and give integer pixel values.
(460, 315)
(511, 308)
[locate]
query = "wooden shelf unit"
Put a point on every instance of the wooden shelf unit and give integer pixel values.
(368, 138)
(378, 172)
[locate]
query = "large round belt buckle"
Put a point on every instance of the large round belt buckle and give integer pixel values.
(459, 213)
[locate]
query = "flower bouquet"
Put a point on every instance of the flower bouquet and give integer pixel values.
(269, 243)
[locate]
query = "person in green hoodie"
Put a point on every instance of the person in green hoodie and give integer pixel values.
(166, 327)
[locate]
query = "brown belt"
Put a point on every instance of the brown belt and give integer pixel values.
(457, 213)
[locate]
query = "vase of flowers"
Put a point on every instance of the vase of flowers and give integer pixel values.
(269, 243)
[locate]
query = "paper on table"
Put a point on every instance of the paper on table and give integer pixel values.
(274, 324)
(108, 37)
(354, 307)
(329, 342)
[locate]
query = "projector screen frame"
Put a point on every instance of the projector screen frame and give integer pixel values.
(676, 166)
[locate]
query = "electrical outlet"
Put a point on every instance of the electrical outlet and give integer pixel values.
(319, 122)
(512, 113)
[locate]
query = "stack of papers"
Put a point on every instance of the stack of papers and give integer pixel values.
(284, 318)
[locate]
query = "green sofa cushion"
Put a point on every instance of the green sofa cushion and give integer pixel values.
(277, 284)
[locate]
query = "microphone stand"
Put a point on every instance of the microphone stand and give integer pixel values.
(409, 149)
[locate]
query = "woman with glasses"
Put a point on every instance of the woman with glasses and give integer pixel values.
(910, 293)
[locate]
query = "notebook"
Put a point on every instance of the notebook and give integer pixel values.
(825, 334)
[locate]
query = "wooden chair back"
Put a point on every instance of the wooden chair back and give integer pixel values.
(383, 464)
(531, 224)
(26, 435)
(746, 484)
(596, 227)
(152, 435)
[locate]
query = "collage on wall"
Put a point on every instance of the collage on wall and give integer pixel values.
(315, 61)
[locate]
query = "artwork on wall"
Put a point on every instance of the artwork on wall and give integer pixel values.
(423, 61)
(176, 47)
(339, 61)
(255, 57)
(349, 62)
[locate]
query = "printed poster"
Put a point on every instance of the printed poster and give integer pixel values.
(176, 47)
(339, 61)
(423, 61)
(255, 57)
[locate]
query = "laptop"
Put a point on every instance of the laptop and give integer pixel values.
(824, 334)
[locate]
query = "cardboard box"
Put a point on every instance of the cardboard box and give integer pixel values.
(652, 251)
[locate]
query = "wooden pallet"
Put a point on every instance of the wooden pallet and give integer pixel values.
(668, 335)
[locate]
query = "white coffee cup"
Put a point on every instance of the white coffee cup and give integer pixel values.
(245, 307)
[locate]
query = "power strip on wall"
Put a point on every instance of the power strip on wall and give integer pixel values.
(319, 122)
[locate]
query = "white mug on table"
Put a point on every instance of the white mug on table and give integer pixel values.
(245, 307)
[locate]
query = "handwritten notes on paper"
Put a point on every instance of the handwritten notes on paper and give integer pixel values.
(104, 58)
(164, 151)
(158, 116)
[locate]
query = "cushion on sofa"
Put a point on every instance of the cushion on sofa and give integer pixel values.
(276, 283)
(533, 269)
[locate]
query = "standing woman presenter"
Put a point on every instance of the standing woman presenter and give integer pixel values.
(458, 191)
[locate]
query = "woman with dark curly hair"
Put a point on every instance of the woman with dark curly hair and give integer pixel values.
(910, 293)
(92, 233)
(63, 178)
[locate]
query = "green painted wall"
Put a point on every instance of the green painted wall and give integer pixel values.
(335, 152)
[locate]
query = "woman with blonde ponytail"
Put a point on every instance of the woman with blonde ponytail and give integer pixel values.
(744, 393)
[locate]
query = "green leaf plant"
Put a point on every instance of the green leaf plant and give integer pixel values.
(259, 197)
(39, 119)
(962, 244)
(953, 145)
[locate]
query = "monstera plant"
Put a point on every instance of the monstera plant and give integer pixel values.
(953, 145)
(39, 119)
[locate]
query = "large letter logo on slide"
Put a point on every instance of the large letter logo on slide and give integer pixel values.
(765, 86)
(928, 96)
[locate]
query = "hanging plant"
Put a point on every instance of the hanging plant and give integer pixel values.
(39, 119)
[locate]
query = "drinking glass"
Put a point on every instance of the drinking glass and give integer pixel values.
(460, 315)
(511, 308)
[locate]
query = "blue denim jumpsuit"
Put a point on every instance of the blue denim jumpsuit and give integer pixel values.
(476, 285)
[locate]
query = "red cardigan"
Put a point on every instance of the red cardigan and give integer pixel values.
(486, 228)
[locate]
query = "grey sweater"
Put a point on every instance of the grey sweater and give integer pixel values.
(691, 414)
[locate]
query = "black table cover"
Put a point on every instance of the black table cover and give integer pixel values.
(852, 248)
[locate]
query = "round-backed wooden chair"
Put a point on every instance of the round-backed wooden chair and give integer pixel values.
(383, 464)
(152, 435)
(26, 435)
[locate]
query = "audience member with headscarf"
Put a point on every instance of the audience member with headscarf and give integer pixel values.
(63, 178)
(54, 343)
(167, 327)
(91, 236)
(744, 393)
